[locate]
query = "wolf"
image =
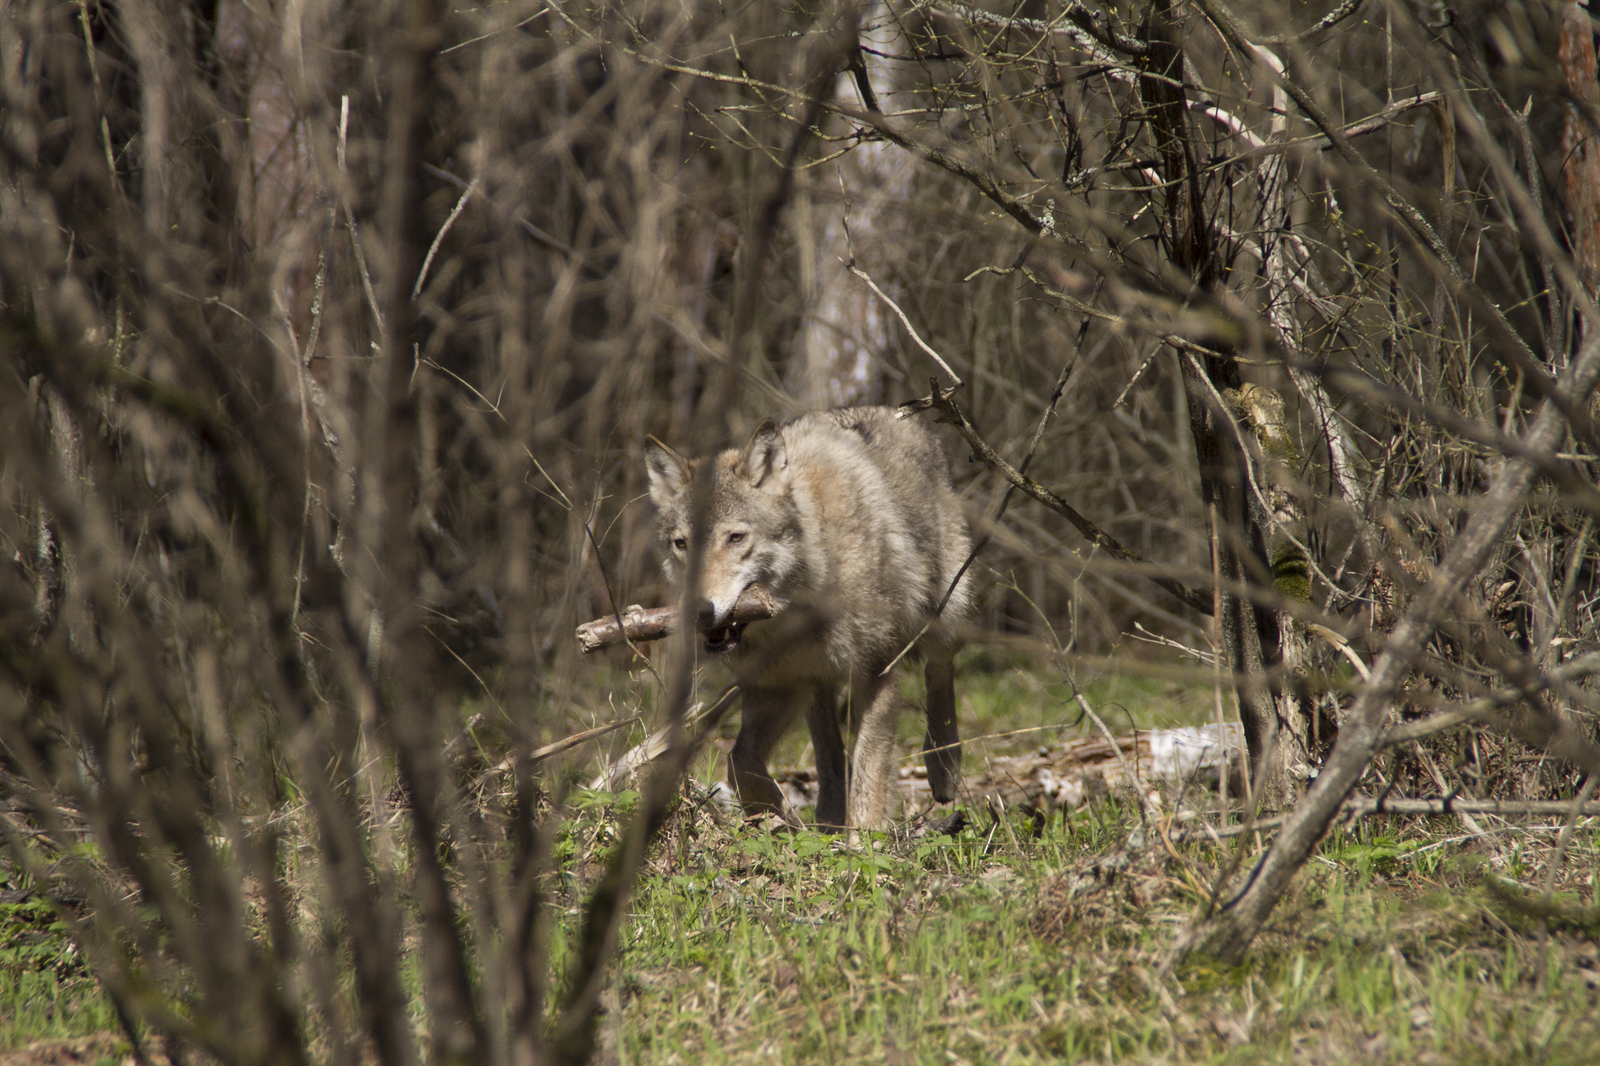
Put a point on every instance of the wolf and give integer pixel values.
(849, 515)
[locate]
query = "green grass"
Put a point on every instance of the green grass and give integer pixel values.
(997, 701)
(1023, 940)
(745, 946)
(45, 991)
(789, 948)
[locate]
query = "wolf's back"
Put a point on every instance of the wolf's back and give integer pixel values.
(880, 523)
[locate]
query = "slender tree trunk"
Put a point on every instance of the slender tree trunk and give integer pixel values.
(1250, 631)
(847, 332)
(1579, 144)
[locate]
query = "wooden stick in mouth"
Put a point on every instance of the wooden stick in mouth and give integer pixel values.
(642, 624)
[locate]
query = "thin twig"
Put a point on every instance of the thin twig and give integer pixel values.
(1005, 501)
(1204, 658)
(433, 249)
(611, 594)
(1467, 821)
(1368, 808)
(350, 221)
(1129, 772)
(942, 400)
(1217, 655)
(1342, 646)
(1137, 374)
(540, 754)
(955, 379)
(1484, 707)
(1579, 804)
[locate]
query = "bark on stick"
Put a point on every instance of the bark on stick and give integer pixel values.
(642, 624)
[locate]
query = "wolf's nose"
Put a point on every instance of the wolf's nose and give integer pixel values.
(705, 613)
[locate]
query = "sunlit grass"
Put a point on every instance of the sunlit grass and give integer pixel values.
(790, 948)
(743, 945)
(45, 991)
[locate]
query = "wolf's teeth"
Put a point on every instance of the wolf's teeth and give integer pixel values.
(723, 638)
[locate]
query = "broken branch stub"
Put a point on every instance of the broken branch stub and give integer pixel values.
(643, 624)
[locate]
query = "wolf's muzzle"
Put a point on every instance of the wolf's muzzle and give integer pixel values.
(724, 638)
(719, 637)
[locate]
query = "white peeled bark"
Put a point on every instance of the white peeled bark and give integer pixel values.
(852, 215)
(1279, 271)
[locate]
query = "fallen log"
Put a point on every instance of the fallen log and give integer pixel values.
(1073, 774)
(642, 624)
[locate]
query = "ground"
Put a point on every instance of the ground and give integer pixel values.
(1026, 935)
(1018, 942)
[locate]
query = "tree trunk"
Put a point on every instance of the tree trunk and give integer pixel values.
(1582, 151)
(1229, 485)
(847, 332)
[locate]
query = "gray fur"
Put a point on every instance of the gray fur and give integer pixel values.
(849, 513)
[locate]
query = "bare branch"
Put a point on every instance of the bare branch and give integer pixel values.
(942, 401)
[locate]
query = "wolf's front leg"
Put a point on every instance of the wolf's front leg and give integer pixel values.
(765, 715)
(872, 770)
(823, 720)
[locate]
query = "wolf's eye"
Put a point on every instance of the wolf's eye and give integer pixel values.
(735, 538)
(681, 543)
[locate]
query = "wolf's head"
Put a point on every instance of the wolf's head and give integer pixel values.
(751, 524)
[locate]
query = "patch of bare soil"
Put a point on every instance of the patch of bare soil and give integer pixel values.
(77, 1051)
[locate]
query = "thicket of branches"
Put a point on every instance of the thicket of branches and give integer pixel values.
(332, 331)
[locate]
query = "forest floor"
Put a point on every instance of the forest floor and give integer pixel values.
(1024, 937)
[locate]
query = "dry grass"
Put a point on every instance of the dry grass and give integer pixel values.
(1002, 946)
(1026, 938)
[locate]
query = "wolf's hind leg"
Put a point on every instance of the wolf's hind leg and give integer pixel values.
(941, 748)
(872, 772)
(765, 717)
(823, 720)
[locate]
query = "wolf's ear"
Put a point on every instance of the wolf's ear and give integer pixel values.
(765, 455)
(669, 473)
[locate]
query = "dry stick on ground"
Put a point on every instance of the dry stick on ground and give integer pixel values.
(476, 722)
(1372, 807)
(704, 715)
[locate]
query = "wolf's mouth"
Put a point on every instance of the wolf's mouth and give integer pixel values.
(724, 638)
